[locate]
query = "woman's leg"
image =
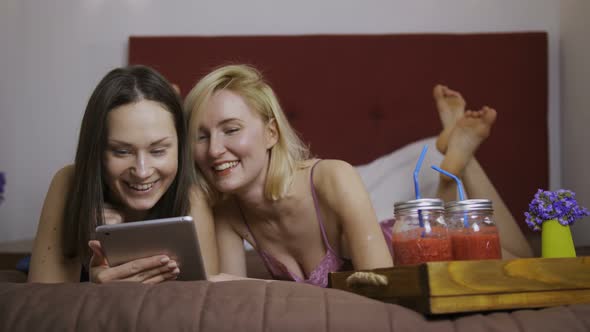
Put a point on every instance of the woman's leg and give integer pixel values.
(463, 132)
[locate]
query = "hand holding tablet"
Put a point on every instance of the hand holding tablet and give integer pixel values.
(175, 238)
(149, 270)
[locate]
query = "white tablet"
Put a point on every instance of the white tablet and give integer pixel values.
(175, 237)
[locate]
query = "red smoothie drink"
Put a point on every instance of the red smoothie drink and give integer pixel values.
(469, 245)
(472, 229)
(412, 247)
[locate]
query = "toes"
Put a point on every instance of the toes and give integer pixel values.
(451, 93)
(489, 114)
(475, 114)
(486, 114)
(438, 91)
(488, 109)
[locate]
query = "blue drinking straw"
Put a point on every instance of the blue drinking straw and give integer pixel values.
(416, 185)
(454, 177)
(459, 187)
(417, 170)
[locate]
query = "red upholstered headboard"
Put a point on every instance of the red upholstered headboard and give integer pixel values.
(358, 97)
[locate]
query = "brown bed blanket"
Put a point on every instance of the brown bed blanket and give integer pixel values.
(244, 306)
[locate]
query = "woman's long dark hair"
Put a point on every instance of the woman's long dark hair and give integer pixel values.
(88, 193)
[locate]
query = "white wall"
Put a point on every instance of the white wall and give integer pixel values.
(54, 52)
(575, 106)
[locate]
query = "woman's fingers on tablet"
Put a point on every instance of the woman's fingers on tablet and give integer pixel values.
(148, 274)
(163, 276)
(98, 257)
(138, 270)
(98, 263)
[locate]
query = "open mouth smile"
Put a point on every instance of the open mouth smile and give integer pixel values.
(225, 167)
(141, 186)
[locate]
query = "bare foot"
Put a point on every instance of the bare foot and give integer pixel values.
(465, 137)
(451, 106)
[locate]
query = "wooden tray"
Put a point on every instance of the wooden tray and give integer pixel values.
(467, 286)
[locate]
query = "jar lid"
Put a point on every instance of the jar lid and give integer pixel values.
(419, 204)
(469, 205)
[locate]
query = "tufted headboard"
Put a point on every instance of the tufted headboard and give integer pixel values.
(358, 97)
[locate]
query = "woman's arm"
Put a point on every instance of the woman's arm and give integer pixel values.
(205, 228)
(232, 257)
(48, 263)
(341, 188)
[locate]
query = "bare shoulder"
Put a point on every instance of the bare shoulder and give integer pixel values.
(56, 195)
(197, 197)
(53, 208)
(47, 262)
(337, 182)
(200, 209)
(64, 176)
(333, 172)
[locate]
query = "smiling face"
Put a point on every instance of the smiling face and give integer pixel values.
(231, 143)
(141, 157)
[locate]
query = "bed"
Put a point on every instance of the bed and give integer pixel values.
(245, 306)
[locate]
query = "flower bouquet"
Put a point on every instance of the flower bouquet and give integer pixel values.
(553, 212)
(2, 183)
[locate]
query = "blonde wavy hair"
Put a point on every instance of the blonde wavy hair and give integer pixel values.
(285, 156)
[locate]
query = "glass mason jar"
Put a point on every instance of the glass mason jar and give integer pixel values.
(473, 232)
(420, 232)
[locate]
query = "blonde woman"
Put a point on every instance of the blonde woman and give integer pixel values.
(306, 217)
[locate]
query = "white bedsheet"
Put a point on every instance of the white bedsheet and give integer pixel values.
(389, 178)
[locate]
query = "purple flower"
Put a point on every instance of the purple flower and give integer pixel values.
(2, 183)
(560, 205)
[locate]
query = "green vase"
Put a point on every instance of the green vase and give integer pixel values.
(556, 240)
